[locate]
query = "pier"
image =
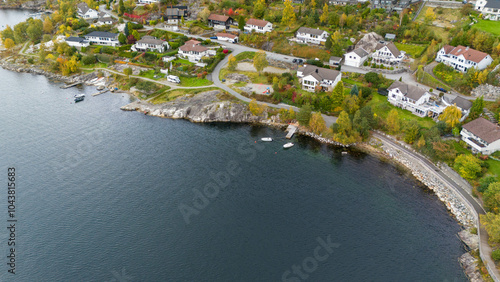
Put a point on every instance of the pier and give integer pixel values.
(100, 92)
(291, 131)
(70, 85)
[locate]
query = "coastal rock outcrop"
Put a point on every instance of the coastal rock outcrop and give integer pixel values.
(203, 107)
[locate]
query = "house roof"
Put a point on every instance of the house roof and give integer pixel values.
(335, 59)
(75, 39)
(494, 4)
(484, 129)
(192, 42)
(468, 53)
(308, 30)
(410, 91)
(221, 18)
(228, 35)
(174, 12)
(83, 7)
(392, 48)
(151, 40)
(360, 52)
(462, 103)
(390, 36)
(261, 23)
(319, 73)
(102, 34)
(192, 47)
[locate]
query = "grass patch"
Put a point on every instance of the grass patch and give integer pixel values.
(381, 107)
(352, 82)
(182, 62)
(194, 81)
(151, 75)
(494, 167)
(254, 76)
(245, 55)
(429, 80)
(170, 95)
(492, 27)
(411, 49)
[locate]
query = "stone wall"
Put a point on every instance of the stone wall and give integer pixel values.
(487, 91)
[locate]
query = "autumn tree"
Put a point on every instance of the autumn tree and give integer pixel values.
(288, 17)
(343, 132)
(351, 104)
(9, 43)
(467, 166)
(127, 71)
(317, 123)
(342, 20)
(7, 33)
(48, 27)
(451, 115)
(430, 16)
(393, 122)
(259, 8)
(491, 197)
(260, 61)
(324, 16)
(491, 223)
(203, 15)
(337, 96)
(477, 108)
(231, 63)
(256, 108)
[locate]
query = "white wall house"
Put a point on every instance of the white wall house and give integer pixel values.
(413, 99)
(148, 1)
(312, 76)
(85, 12)
(463, 104)
(219, 21)
(104, 19)
(335, 61)
(463, 58)
(311, 35)
(193, 51)
(355, 58)
(256, 25)
(103, 38)
(387, 54)
(77, 42)
(482, 135)
(231, 38)
(150, 43)
(490, 9)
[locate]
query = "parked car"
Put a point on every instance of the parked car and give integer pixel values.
(213, 37)
(173, 78)
(297, 61)
(441, 89)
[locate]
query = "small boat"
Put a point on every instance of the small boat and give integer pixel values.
(79, 97)
(266, 139)
(100, 87)
(288, 145)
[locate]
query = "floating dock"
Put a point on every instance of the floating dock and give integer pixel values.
(70, 85)
(100, 92)
(291, 131)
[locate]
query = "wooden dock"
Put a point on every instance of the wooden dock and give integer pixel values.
(70, 85)
(100, 92)
(291, 131)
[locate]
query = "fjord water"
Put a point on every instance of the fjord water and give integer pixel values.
(99, 190)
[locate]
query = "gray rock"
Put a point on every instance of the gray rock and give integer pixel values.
(469, 239)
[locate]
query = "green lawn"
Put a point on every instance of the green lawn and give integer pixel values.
(381, 107)
(245, 55)
(413, 50)
(194, 81)
(352, 82)
(492, 27)
(170, 95)
(494, 167)
(182, 61)
(151, 75)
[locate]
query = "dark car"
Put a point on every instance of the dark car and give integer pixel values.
(294, 61)
(300, 61)
(213, 37)
(441, 89)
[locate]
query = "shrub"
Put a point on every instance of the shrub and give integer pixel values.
(495, 255)
(88, 60)
(31, 61)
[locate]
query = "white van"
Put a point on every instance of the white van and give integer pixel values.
(173, 78)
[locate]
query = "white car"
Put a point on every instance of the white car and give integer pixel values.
(173, 78)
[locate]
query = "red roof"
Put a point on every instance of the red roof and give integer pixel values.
(228, 35)
(468, 53)
(192, 42)
(221, 18)
(261, 23)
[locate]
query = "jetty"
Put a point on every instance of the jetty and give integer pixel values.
(100, 92)
(70, 85)
(291, 131)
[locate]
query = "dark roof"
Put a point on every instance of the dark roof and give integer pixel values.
(174, 12)
(75, 39)
(462, 103)
(319, 73)
(360, 52)
(181, 7)
(310, 30)
(410, 91)
(494, 4)
(468, 53)
(102, 34)
(83, 7)
(484, 129)
(151, 40)
(392, 48)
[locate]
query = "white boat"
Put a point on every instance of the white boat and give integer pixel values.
(266, 139)
(288, 145)
(79, 97)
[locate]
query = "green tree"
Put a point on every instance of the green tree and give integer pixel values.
(467, 166)
(317, 123)
(393, 122)
(136, 34)
(304, 115)
(451, 115)
(412, 129)
(491, 223)
(491, 197)
(351, 104)
(126, 30)
(344, 133)
(477, 108)
(337, 96)
(259, 8)
(121, 8)
(354, 90)
(122, 38)
(231, 63)
(7, 33)
(260, 61)
(241, 23)
(20, 34)
(127, 71)
(288, 17)
(48, 27)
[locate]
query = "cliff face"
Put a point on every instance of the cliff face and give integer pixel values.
(203, 107)
(35, 70)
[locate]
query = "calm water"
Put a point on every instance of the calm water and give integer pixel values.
(99, 193)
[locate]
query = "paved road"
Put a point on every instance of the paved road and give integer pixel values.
(484, 247)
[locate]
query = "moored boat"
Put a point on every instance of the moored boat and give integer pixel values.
(79, 97)
(288, 145)
(266, 139)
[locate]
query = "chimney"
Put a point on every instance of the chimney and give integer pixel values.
(316, 70)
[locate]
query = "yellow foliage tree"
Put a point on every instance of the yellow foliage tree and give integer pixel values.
(430, 15)
(9, 43)
(317, 123)
(288, 17)
(451, 115)
(324, 16)
(313, 4)
(482, 76)
(393, 122)
(491, 222)
(260, 61)
(231, 63)
(47, 25)
(256, 108)
(342, 20)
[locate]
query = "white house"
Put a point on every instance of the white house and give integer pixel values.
(490, 9)
(103, 38)
(335, 61)
(313, 76)
(77, 42)
(256, 25)
(463, 104)
(219, 21)
(413, 99)
(231, 38)
(463, 58)
(193, 51)
(148, 1)
(104, 19)
(482, 135)
(150, 43)
(388, 54)
(355, 58)
(85, 12)
(311, 35)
